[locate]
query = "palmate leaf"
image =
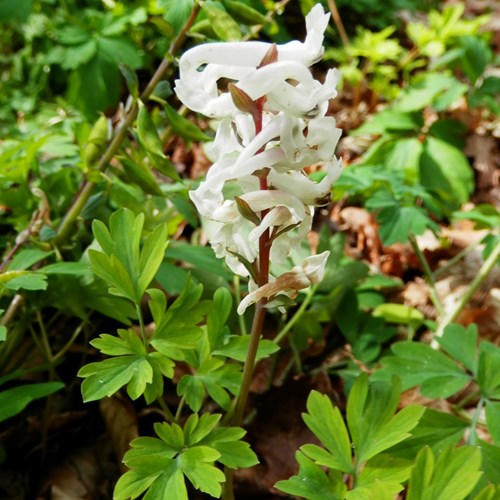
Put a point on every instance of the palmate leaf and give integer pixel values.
(328, 425)
(122, 263)
(312, 482)
(377, 403)
(419, 364)
(161, 465)
(451, 477)
(133, 367)
(176, 330)
(15, 399)
(213, 376)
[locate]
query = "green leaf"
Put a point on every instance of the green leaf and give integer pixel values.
(119, 50)
(183, 127)
(490, 492)
(397, 223)
(131, 78)
(446, 171)
(452, 477)
(201, 257)
(377, 403)
(160, 465)
(106, 377)
(195, 463)
(15, 11)
(214, 376)
(222, 23)
(490, 460)
(390, 121)
(176, 329)
(326, 422)
(476, 56)
(26, 280)
(234, 453)
(419, 364)
(140, 174)
(176, 12)
(399, 313)
(392, 471)
(222, 305)
(493, 420)
(236, 347)
(67, 268)
(244, 13)
(312, 482)
(488, 372)
(15, 400)
(148, 135)
(151, 257)
(461, 343)
(26, 257)
(435, 429)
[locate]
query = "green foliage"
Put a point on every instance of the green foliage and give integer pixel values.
(373, 426)
(161, 465)
(15, 399)
(452, 476)
(126, 266)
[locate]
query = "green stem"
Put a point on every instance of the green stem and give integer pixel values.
(142, 326)
(472, 439)
(300, 311)
(180, 407)
(83, 196)
(296, 357)
(485, 269)
(248, 369)
(428, 274)
(237, 294)
(450, 263)
(166, 410)
(70, 342)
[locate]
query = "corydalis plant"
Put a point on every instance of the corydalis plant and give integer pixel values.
(272, 125)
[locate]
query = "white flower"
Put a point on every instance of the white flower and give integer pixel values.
(309, 273)
(277, 128)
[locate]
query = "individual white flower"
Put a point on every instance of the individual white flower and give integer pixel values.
(309, 273)
(203, 66)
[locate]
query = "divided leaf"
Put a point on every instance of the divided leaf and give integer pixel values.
(420, 364)
(452, 477)
(161, 465)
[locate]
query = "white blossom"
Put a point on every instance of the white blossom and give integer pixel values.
(295, 134)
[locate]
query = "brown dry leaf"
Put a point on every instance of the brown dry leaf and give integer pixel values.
(83, 474)
(121, 423)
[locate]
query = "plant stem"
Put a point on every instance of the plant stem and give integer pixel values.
(166, 409)
(485, 269)
(237, 294)
(450, 263)
(338, 22)
(180, 407)
(88, 187)
(142, 326)
(258, 323)
(472, 439)
(428, 274)
(305, 303)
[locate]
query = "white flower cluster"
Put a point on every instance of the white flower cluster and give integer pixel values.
(290, 132)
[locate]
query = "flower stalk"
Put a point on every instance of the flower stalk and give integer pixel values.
(272, 124)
